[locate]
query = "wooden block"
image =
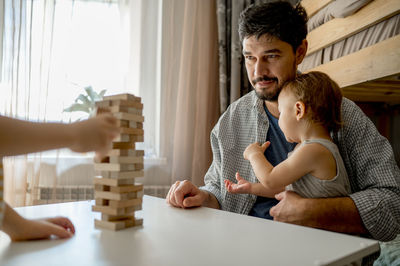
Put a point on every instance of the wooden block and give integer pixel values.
(122, 123)
(123, 138)
(122, 175)
(115, 196)
(102, 202)
(136, 139)
(126, 159)
(113, 182)
(125, 203)
(101, 187)
(130, 137)
(123, 145)
(113, 211)
(117, 225)
(116, 167)
(124, 96)
(130, 117)
(133, 124)
(124, 109)
(139, 166)
(106, 217)
(127, 103)
(129, 152)
(132, 131)
(126, 188)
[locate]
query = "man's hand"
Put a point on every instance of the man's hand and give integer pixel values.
(334, 214)
(242, 187)
(289, 209)
(255, 148)
(184, 194)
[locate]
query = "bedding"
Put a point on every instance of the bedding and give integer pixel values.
(372, 35)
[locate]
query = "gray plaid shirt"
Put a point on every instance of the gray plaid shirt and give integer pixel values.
(369, 159)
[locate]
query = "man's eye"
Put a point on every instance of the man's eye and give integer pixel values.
(249, 57)
(272, 56)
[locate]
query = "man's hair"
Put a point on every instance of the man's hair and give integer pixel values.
(277, 19)
(322, 97)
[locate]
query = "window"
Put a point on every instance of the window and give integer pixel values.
(60, 49)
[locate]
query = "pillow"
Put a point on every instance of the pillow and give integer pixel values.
(336, 9)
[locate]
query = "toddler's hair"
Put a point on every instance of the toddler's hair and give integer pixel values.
(322, 97)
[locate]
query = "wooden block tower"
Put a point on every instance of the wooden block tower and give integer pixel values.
(116, 193)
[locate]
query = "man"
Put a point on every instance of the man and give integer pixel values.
(274, 44)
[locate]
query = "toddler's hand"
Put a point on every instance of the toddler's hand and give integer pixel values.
(242, 187)
(255, 148)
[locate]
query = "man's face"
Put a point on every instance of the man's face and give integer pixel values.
(269, 63)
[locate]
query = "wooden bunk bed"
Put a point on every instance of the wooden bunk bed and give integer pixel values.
(371, 74)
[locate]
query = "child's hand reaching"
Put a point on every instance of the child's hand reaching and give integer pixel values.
(242, 187)
(96, 134)
(18, 228)
(255, 148)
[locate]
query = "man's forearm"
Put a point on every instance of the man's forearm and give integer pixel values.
(334, 214)
(210, 200)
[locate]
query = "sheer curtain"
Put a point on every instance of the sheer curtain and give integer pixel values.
(50, 51)
(189, 92)
(24, 83)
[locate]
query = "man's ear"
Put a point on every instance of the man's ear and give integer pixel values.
(300, 110)
(301, 52)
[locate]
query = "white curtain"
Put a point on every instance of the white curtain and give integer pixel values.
(189, 94)
(25, 80)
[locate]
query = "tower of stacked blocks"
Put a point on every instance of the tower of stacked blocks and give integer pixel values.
(117, 195)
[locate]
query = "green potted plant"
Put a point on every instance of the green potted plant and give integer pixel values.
(86, 103)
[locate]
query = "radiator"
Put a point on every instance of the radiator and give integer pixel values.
(47, 195)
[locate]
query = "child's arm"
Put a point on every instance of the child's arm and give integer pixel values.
(21, 137)
(303, 160)
(19, 228)
(245, 187)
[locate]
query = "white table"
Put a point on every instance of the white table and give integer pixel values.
(172, 236)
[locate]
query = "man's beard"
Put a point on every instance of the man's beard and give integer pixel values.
(266, 94)
(272, 96)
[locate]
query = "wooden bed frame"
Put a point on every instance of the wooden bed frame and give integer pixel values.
(371, 74)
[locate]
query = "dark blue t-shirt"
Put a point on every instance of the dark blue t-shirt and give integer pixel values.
(275, 153)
